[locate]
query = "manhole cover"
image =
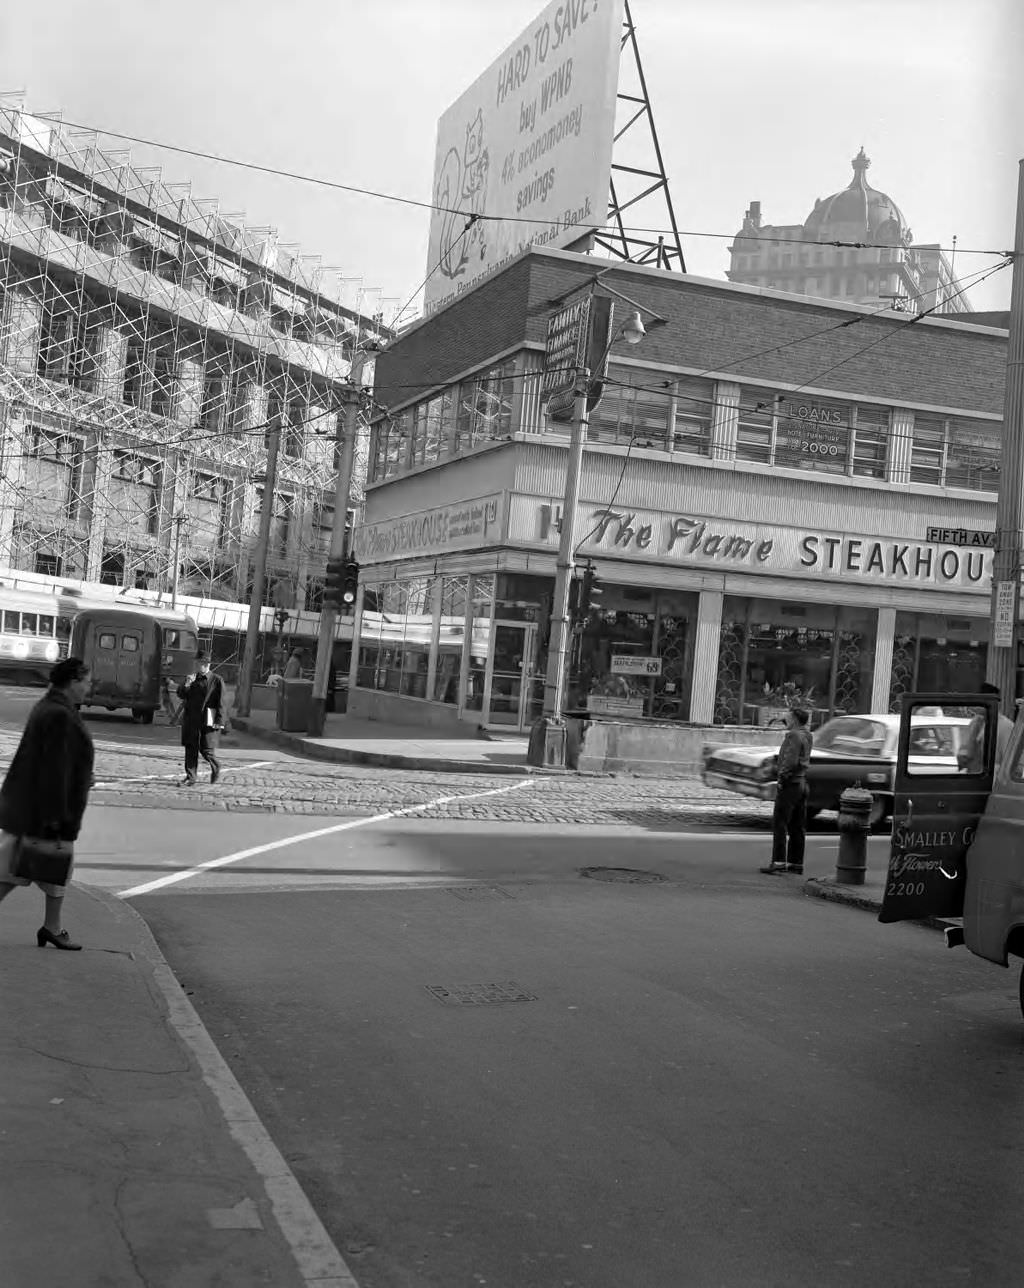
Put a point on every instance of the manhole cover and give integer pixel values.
(631, 875)
(479, 892)
(478, 994)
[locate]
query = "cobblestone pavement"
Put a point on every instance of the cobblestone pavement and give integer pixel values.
(149, 776)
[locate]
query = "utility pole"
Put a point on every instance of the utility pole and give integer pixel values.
(178, 520)
(243, 693)
(1005, 638)
(348, 428)
(561, 626)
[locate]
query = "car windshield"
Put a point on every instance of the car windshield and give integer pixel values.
(851, 736)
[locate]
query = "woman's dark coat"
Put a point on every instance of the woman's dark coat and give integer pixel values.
(205, 692)
(47, 784)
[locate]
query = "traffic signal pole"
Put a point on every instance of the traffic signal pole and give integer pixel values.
(552, 749)
(243, 691)
(347, 430)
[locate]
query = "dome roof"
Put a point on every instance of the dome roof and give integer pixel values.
(858, 212)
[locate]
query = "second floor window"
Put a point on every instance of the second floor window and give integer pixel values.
(135, 492)
(53, 472)
(209, 511)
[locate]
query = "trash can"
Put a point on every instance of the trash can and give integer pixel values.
(294, 702)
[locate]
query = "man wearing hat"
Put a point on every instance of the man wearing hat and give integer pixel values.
(202, 719)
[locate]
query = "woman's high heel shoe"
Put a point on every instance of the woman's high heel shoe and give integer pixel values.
(63, 940)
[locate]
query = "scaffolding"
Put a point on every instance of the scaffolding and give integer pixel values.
(149, 347)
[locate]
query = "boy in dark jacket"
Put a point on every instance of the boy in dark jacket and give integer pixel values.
(789, 820)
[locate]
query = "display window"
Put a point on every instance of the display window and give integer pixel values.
(775, 655)
(935, 654)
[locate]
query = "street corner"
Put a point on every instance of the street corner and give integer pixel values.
(866, 897)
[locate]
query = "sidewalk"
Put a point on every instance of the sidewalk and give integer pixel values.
(130, 1154)
(350, 740)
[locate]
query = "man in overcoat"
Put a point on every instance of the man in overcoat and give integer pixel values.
(202, 719)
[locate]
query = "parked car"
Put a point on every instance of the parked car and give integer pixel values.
(847, 750)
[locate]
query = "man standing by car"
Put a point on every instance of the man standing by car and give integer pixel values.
(202, 718)
(789, 820)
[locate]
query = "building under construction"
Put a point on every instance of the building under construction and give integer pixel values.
(149, 348)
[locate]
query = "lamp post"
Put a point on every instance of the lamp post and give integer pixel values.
(549, 747)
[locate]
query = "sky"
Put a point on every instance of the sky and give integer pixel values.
(752, 100)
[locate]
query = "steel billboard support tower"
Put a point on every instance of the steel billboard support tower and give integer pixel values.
(1003, 661)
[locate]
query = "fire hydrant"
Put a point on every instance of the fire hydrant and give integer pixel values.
(854, 824)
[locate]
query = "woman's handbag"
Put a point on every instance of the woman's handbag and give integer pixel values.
(42, 858)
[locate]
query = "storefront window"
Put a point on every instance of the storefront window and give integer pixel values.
(775, 655)
(812, 434)
(482, 604)
(871, 442)
(483, 409)
(938, 655)
(634, 408)
(694, 399)
(956, 452)
(395, 635)
(450, 636)
(755, 435)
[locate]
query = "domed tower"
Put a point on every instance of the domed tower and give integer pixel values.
(876, 261)
(858, 213)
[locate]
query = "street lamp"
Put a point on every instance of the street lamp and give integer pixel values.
(547, 747)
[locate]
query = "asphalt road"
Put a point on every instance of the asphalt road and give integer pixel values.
(704, 1080)
(487, 1068)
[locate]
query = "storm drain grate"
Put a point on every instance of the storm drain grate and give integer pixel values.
(631, 875)
(478, 994)
(479, 892)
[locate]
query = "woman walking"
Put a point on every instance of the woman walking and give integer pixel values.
(47, 786)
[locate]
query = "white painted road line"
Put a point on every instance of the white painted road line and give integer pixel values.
(174, 877)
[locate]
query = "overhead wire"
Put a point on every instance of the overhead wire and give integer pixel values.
(355, 189)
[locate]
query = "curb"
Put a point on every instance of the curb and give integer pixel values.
(316, 750)
(318, 1261)
(853, 896)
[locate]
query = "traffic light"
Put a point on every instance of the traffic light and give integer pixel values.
(590, 590)
(334, 584)
(349, 582)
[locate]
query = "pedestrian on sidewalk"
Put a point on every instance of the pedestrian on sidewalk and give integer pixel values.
(202, 719)
(293, 667)
(789, 819)
(46, 788)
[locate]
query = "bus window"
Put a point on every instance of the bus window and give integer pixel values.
(29, 623)
(64, 628)
(189, 642)
(46, 624)
(129, 643)
(107, 641)
(12, 622)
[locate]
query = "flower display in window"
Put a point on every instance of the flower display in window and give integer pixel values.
(788, 694)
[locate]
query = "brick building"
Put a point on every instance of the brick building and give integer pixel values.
(783, 499)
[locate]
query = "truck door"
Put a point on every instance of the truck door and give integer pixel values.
(130, 674)
(994, 900)
(943, 779)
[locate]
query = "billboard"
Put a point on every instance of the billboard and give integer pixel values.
(530, 143)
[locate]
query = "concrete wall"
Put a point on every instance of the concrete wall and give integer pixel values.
(393, 708)
(662, 750)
